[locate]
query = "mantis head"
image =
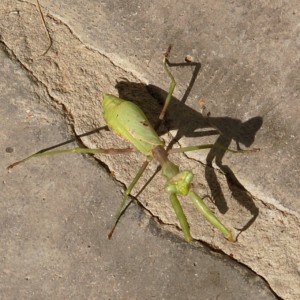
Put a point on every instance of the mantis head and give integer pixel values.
(180, 183)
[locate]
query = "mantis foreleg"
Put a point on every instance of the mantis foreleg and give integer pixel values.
(181, 217)
(210, 217)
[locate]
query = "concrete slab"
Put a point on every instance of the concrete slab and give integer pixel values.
(245, 78)
(56, 212)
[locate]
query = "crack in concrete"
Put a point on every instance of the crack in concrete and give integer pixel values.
(70, 118)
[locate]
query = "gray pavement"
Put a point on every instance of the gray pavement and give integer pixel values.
(54, 239)
(56, 213)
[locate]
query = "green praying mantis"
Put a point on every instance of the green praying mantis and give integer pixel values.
(128, 121)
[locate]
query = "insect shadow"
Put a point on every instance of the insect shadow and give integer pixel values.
(149, 98)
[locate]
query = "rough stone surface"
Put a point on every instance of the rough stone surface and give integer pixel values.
(246, 79)
(55, 214)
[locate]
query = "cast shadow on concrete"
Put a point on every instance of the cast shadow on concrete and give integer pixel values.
(188, 122)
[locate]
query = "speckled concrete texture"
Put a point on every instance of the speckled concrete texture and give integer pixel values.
(246, 70)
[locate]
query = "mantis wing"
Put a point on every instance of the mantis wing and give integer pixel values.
(128, 121)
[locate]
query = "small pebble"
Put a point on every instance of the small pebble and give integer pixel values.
(9, 150)
(189, 58)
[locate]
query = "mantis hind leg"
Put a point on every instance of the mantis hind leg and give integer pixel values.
(172, 85)
(211, 146)
(44, 152)
(122, 206)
